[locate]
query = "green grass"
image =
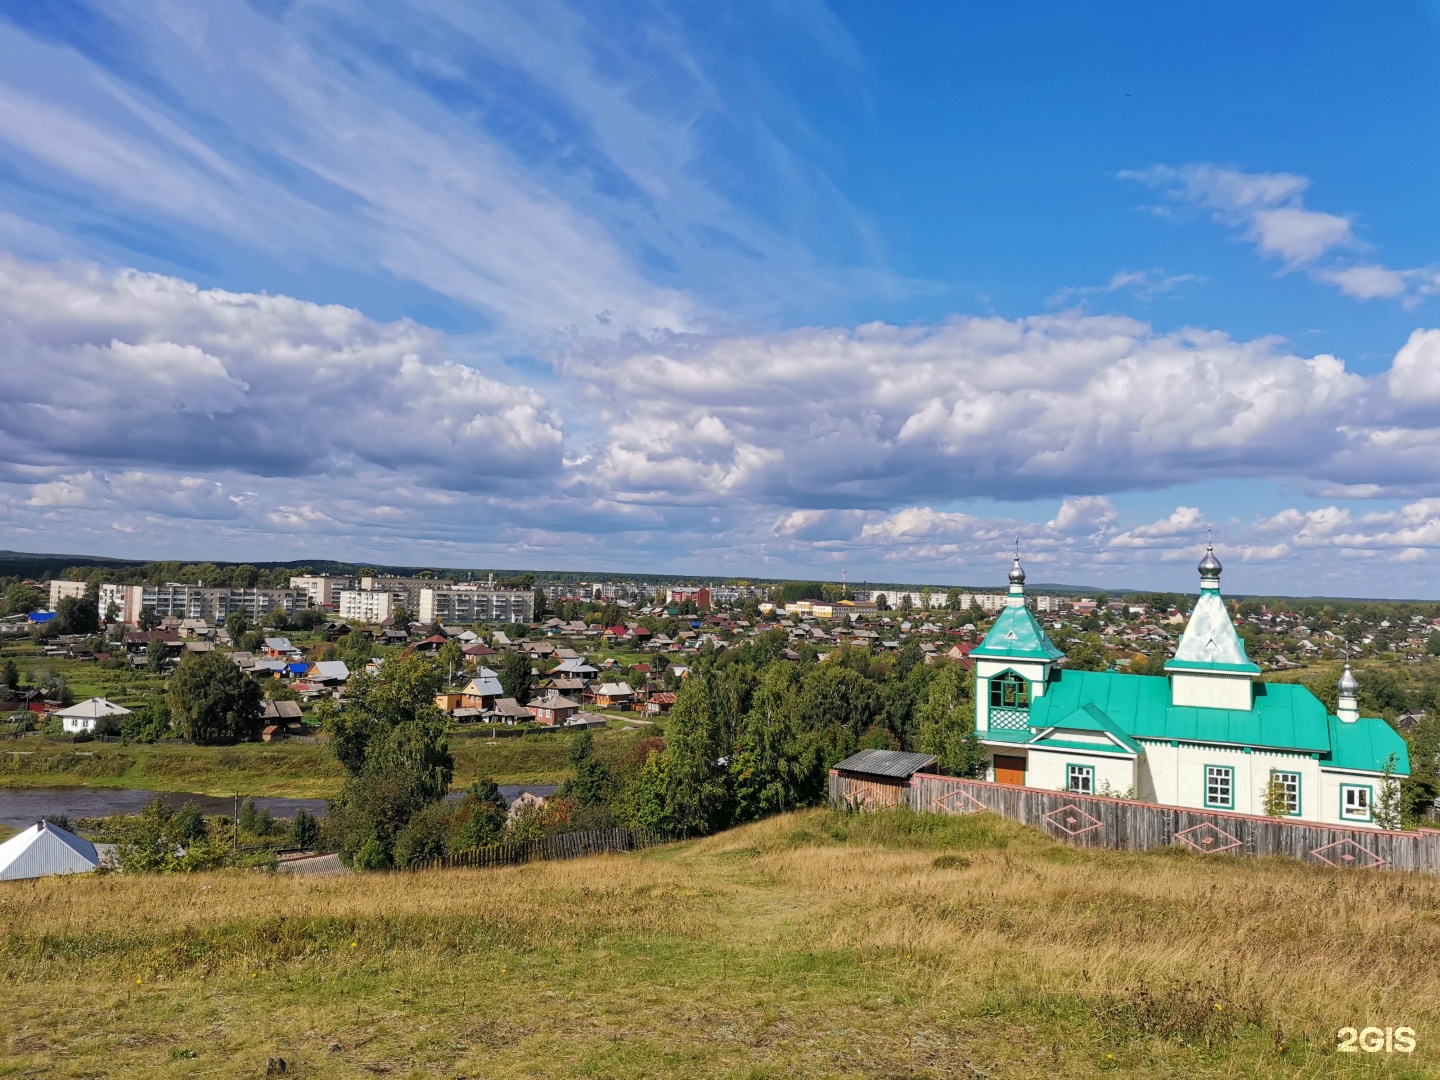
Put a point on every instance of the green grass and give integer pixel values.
(812, 945)
(280, 769)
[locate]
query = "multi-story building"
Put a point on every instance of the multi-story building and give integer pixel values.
(322, 590)
(195, 601)
(700, 596)
(404, 590)
(473, 602)
(60, 589)
(367, 605)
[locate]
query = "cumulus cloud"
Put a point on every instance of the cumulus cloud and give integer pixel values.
(131, 369)
(1052, 405)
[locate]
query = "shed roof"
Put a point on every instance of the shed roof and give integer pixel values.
(892, 763)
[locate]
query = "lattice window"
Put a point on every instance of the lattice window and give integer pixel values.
(1009, 719)
(1290, 784)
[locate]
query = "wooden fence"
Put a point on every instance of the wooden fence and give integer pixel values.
(570, 845)
(1095, 821)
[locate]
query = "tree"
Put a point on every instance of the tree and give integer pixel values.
(147, 620)
(515, 677)
(212, 701)
(882, 602)
(304, 830)
(163, 841)
(236, 625)
(156, 653)
(947, 722)
(479, 817)
(590, 785)
(9, 675)
(696, 744)
(1275, 801)
(906, 603)
(276, 619)
(21, 599)
(390, 740)
(451, 659)
(73, 615)
(1388, 803)
(773, 769)
(952, 600)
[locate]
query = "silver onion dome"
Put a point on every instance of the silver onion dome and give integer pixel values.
(1017, 575)
(1348, 685)
(1210, 566)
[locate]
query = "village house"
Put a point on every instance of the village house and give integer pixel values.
(554, 710)
(1205, 735)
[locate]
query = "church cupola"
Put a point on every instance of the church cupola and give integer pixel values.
(1210, 569)
(1017, 580)
(1348, 704)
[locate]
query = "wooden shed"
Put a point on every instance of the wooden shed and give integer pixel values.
(880, 777)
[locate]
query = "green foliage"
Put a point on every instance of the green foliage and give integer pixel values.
(21, 599)
(774, 769)
(424, 836)
(212, 701)
(304, 830)
(147, 620)
(9, 675)
(478, 819)
(162, 841)
(591, 784)
(78, 614)
(947, 722)
(390, 740)
(1274, 802)
(257, 821)
(697, 797)
(1388, 802)
(515, 677)
(156, 653)
(148, 722)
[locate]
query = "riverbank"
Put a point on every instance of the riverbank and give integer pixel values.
(280, 770)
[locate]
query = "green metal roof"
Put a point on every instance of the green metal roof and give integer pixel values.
(1364, 746)
(1286, 716)
(1017, 636)
(1090, 717)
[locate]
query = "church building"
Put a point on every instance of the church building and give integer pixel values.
(1207, 734)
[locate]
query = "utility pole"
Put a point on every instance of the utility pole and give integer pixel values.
(235, 821)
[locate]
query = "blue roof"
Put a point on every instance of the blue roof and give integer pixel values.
(41, 616)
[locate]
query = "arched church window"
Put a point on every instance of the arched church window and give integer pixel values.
(1010, 691)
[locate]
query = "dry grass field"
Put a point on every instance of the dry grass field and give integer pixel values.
(815, 944)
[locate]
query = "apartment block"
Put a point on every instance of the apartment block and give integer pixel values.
(323, 590)
(368, 605)
(195, 601)
(472, 603)
(59, 589)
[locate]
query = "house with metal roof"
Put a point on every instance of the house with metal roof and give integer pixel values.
(44, 850)
(1205, 735)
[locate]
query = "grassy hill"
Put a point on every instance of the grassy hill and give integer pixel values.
(814, 944)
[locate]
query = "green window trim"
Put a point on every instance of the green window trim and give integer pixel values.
(1009, 690)
(1369, 790)
(1228, 803)
(1299, 789)
(1074, 771)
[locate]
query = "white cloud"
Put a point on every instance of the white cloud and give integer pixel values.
(1010, 409)
(1268, 206)
(131, 369)
(1270, 209)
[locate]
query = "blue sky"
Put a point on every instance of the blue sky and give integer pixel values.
(759, 288)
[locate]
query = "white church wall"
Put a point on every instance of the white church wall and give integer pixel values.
(1210, 690)
(1047, 769)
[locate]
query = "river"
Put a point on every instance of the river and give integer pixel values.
(22, 807)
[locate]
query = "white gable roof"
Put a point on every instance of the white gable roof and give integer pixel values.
(44, 849)
(93, 709)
